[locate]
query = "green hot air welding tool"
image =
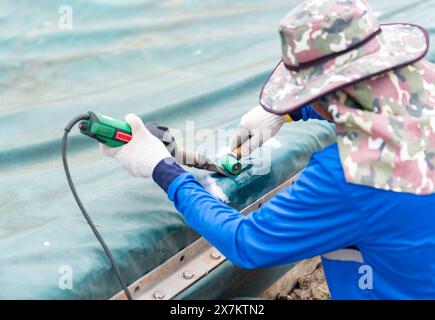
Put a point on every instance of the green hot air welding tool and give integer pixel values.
(115, 133)
(107, 130)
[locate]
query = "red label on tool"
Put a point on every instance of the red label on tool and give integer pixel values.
(122, 136)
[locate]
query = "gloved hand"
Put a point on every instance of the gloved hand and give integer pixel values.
(256, 127)
(142, 154)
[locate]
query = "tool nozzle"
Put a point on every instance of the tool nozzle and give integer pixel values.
(231, 164)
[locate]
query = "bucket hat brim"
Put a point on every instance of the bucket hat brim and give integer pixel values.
(397, 45)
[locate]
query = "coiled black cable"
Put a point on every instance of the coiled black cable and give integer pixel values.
(106, 249)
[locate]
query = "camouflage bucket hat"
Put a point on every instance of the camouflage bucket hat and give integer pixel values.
(329, 44)
(374, 83)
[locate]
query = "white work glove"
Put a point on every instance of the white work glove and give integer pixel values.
(142, 154)
(256, 127)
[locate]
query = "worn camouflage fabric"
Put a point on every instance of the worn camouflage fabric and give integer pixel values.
(386, 129)
(375, 84)
(332, 26)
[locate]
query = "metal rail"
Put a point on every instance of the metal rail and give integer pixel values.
(188, 266)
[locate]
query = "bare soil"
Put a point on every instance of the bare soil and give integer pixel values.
(309, 287)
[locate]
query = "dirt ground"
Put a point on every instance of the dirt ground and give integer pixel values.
(310, 287)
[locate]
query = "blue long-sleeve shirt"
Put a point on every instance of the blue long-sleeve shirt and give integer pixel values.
(375, 244)
(305, 114)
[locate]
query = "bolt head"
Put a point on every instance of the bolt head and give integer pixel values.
(188, 274)
(159, 295)
(215, 254)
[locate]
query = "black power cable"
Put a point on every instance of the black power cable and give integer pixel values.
(82, 208)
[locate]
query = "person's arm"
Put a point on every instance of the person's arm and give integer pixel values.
(310, 218)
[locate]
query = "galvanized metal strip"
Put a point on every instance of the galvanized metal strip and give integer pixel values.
(345, 255)
(188, 266)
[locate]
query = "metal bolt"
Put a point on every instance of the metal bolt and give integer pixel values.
(215, 254)
(188, 274)
(159, 295)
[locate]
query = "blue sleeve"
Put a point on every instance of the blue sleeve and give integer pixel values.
(311, 217)
(305, 113)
